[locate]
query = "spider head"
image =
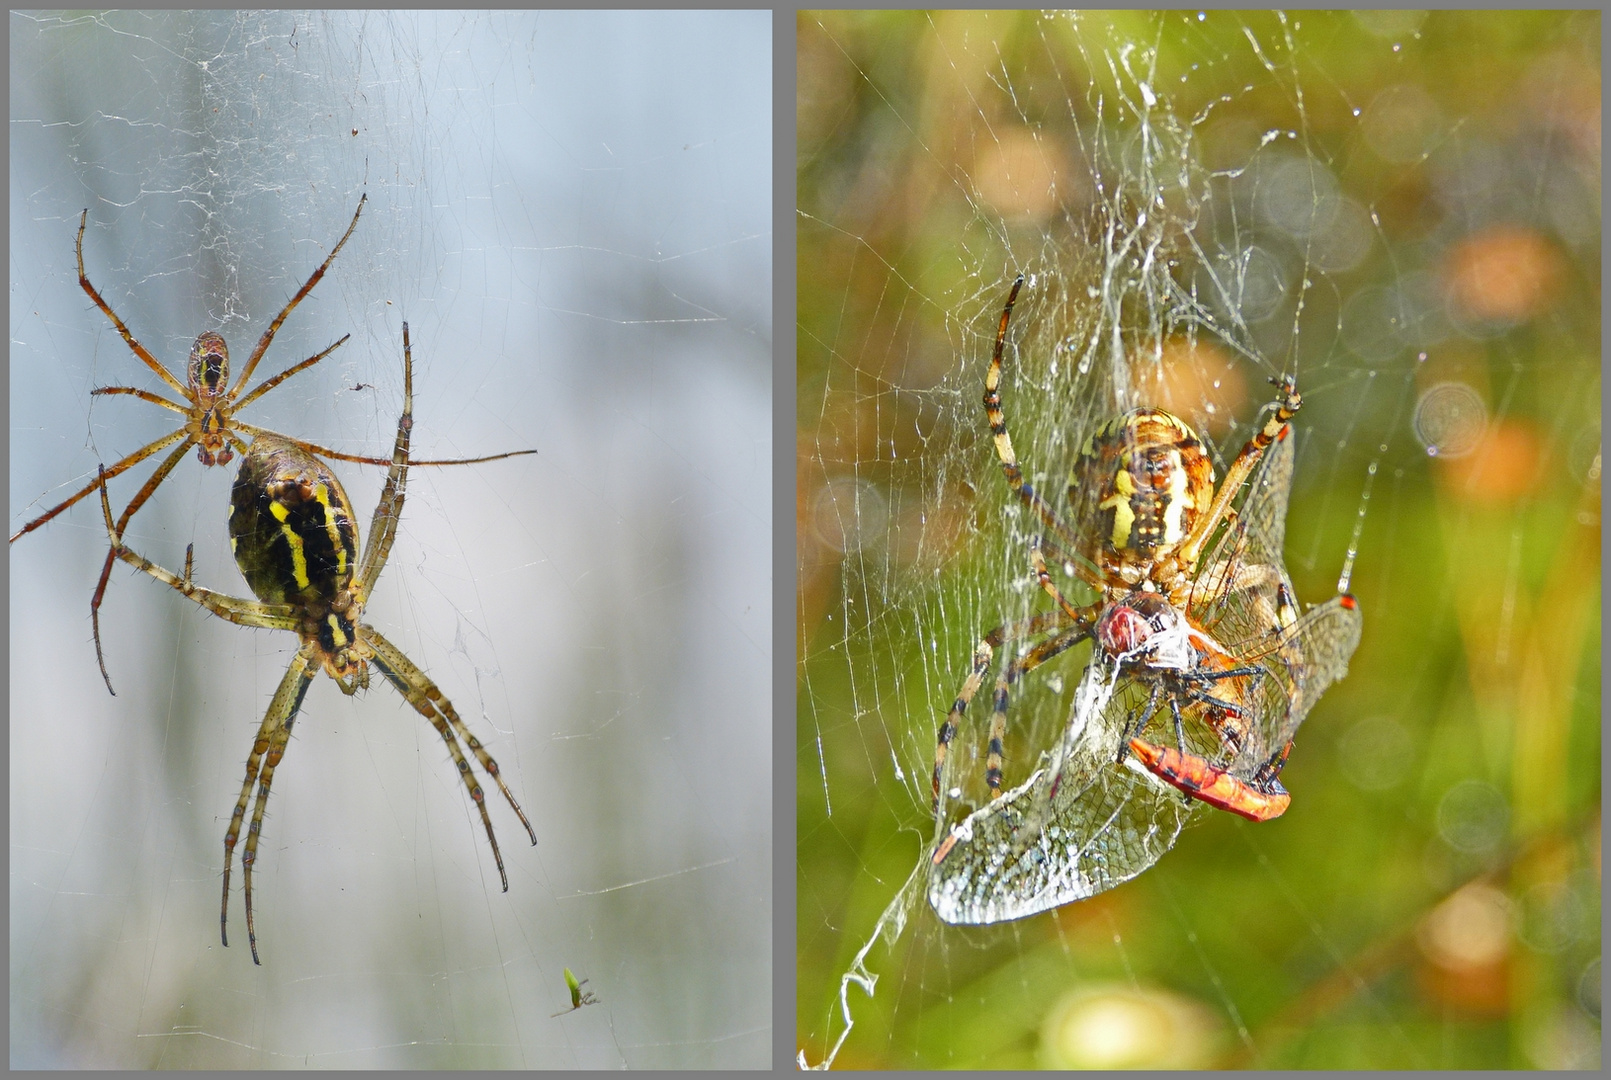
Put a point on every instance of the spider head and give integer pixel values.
(1141, 483)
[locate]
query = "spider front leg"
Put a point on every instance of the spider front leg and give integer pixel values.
(307, 287)
(139, 350)
(389, 510)
(1286, 407)
(272, 738)
(420, 692)
(998, 429)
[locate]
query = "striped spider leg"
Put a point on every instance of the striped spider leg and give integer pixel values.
(209, 405)
(295, 539)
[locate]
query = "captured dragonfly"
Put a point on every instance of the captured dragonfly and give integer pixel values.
(1197, 635)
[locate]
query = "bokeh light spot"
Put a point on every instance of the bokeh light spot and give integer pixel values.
(1450, 420)
(1473, 817)
(1118, 1027)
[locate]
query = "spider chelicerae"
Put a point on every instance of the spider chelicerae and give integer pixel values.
(1145, 507)
(295, 539)
(210, 405)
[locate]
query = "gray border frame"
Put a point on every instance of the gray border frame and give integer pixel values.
(785, 568)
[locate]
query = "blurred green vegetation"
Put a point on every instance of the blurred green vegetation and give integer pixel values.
(1432, 899)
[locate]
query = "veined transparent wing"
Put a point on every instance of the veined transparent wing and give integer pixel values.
(1242, 587)
(1078, 826)
(1244, 598)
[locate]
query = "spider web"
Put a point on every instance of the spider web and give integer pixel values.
(1198, 202)
(573, 214)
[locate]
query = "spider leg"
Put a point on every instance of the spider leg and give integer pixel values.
(1078, 565)
(143, 395)
(268, 384)
(1024, 628)
(948, 727)
(383, 526)
(241, 612)
(998, 430)
(325, 451)
(1074, 625)
(1034, 658)
(272, 738)
(429, 461)
(121, 467)
(128, 338)
(138, 501)
(1285, 409)
(1037, 559)
(307, 287)
(420, 692)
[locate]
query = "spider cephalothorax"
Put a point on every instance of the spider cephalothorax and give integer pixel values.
(207, 376)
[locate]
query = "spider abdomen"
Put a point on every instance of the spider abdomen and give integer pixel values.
(1145, 479)
(291, 526)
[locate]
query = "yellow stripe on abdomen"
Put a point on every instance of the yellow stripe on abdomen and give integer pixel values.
(293, 540)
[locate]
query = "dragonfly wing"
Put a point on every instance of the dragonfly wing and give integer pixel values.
(1325, 637)
(1078, 826)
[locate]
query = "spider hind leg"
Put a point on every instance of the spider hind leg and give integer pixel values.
(272, 738)
(420, 692)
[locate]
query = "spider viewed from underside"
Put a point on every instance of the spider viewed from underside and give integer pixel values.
(295, 539)
(209, 405)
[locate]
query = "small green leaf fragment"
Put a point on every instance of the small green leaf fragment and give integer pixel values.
(575, 989)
